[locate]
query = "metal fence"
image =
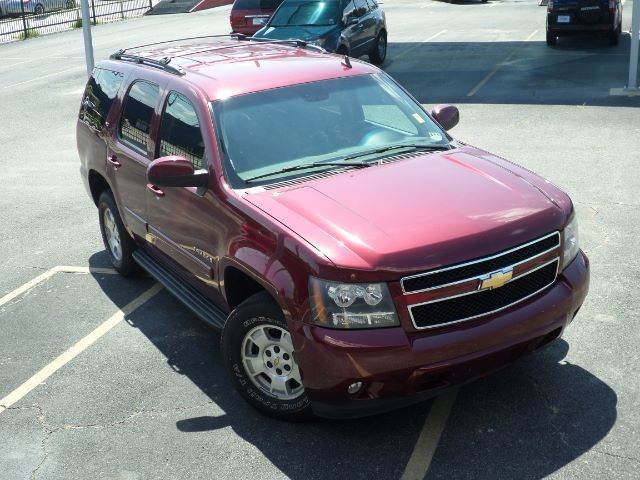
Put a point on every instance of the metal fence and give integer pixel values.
(21, 19)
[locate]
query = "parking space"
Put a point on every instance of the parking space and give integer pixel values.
(149, 398)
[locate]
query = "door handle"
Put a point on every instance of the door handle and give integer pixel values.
(156, 191)
(113, 160)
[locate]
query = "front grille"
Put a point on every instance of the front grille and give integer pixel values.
(483, 302)
(474, 268)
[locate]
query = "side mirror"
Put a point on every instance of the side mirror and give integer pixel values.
(447, 116)
(174, 171)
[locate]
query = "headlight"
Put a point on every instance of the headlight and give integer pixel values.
(570, 241)
(351, 305)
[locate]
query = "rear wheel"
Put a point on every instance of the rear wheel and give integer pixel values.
(258, 354)
(117, 241)
(552, 39)
(379, 49)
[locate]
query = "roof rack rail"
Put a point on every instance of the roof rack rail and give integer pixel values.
(291, 41)
(162, 64)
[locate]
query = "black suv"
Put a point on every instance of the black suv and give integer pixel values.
(568, 17)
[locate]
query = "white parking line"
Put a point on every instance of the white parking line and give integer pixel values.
(41, 77)
(490, 75)
(76, 349)
(48, 274)
(432, 37)
(420, 460)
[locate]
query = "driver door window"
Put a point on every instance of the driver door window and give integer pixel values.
(180, 132)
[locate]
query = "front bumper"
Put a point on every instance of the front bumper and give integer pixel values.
(399, 368)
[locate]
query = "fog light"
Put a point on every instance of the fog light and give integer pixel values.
(354, 387)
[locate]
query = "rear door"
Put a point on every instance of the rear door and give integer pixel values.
(130, 151)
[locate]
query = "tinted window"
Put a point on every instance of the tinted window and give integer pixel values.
(325, 121)
(180, 131)
(99, 95)
(139, 104)
(256, 4)
(306, 13)
(361, 7)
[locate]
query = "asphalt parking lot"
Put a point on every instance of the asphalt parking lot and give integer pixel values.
(115, 379)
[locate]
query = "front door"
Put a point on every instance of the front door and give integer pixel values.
(128, 153)
(182, 220)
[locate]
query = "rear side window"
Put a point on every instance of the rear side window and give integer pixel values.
(135, 123)
(101, 91)
(180, 132)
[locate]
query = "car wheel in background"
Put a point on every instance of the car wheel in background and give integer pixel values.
(379, 50)
(257, 352)
(38, 9)
(119, 244)
(552, 39)
(71, 4)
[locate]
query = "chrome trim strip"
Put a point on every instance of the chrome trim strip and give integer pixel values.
(411, 307)
(484, 259)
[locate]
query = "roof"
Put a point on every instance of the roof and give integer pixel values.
(231, 67)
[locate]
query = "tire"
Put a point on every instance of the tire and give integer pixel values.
(260, 318)
(38, 9)
(120, 249)
(379, 49)
(552, 39)
(70, 4)
(614, 37)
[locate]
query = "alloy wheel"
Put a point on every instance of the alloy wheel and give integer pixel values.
(112, 234)
(267, 357)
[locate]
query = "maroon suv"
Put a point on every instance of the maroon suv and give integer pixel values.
(355, 256)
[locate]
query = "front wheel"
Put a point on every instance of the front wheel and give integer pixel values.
(258, 353)
(379, 50)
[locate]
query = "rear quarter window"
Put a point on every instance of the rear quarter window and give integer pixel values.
(102, 89)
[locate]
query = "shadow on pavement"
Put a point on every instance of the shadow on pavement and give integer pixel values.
(579, 71)
(526, 421)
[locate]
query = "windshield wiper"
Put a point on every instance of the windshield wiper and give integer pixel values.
(410, 146)
(309, 165)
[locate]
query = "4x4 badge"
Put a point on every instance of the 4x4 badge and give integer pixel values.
(496, 279)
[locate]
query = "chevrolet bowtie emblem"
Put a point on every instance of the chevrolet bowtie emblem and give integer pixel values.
(496, 279)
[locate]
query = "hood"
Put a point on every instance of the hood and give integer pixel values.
(299, 33)
(414, 214)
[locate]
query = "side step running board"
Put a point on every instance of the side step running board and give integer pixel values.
(194, 300)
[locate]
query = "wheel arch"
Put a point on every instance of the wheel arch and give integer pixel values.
(97, 184)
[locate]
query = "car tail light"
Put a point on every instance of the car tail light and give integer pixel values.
(550, 6)
(612, 5)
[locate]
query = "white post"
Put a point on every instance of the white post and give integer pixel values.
(86, 32)
(635, 40)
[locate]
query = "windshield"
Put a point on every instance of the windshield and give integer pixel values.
(326, 121)
(314, 14)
